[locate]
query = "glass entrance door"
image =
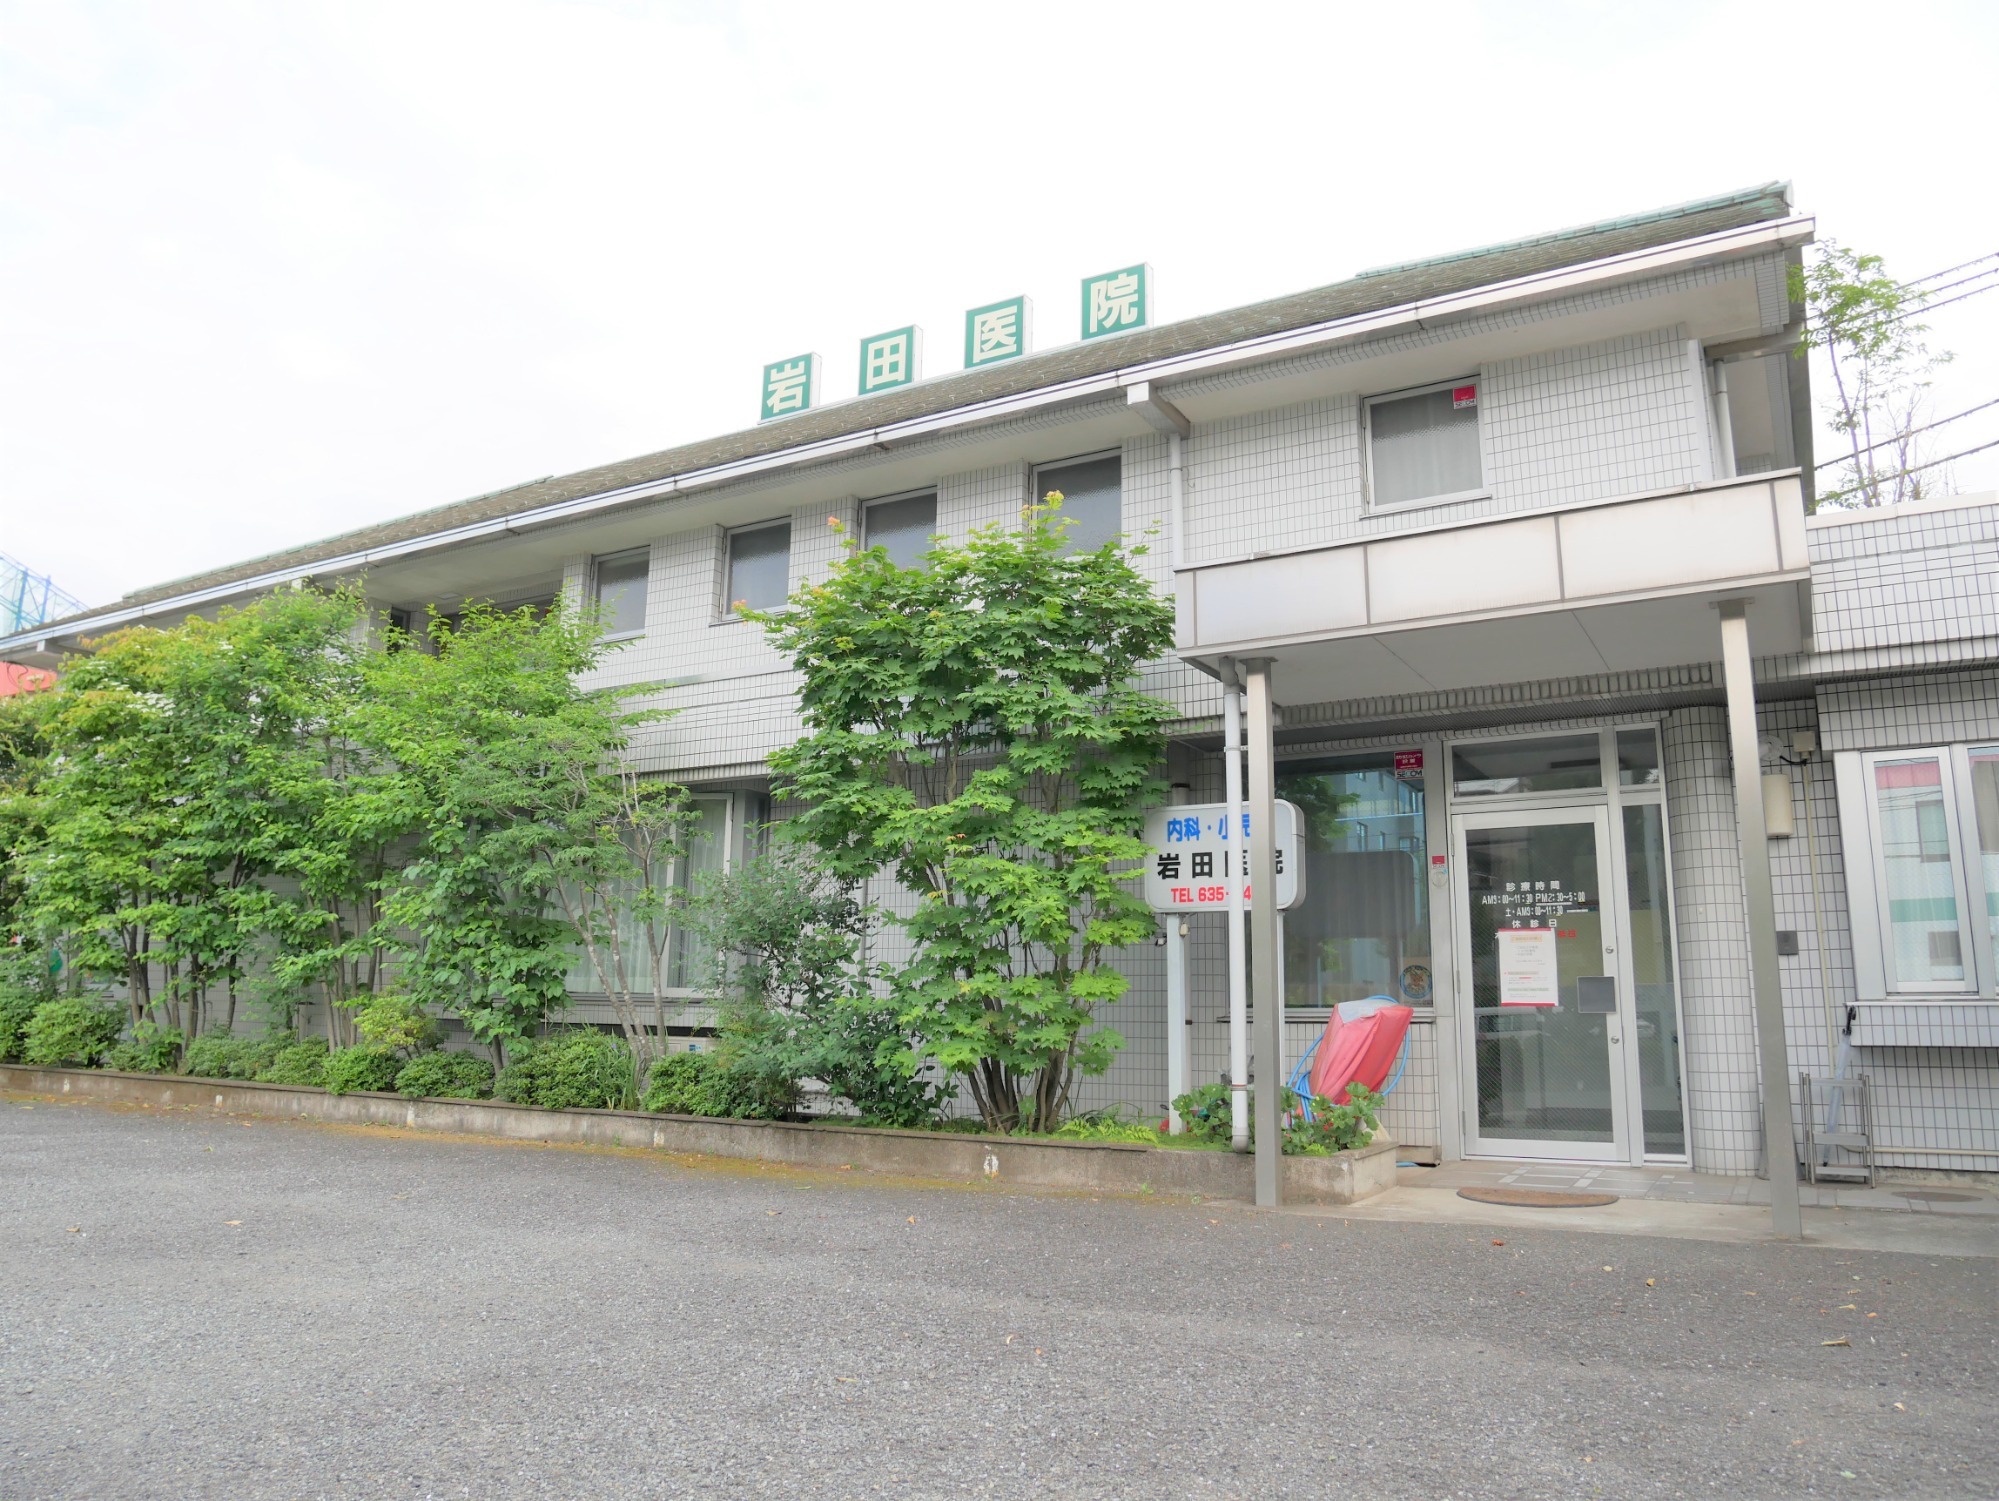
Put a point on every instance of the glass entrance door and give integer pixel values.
(1537, 921)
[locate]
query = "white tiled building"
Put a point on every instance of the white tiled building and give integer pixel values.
(1480, 525)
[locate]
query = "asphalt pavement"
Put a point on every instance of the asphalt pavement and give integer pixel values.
(196, 1305)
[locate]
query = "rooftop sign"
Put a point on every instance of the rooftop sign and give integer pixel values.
(1114, 302)
(790, 386)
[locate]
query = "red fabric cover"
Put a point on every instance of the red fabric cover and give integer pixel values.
(1358, 1049)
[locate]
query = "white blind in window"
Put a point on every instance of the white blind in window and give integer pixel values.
(1424, 445)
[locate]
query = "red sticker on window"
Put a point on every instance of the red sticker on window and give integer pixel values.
(1463, 396)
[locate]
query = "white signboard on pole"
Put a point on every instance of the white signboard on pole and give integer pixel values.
(1193, 862)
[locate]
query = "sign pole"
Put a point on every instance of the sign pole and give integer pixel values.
(1177, 1082)
(1238, 956)
(1265, 939)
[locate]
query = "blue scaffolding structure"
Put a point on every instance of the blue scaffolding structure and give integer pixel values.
(28, 598)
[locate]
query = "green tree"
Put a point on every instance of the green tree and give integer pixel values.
(1880, 363)
(186, 776)
(605, 843)
(24, 753)
(513, 775)
(975, 726)
(787, 941)
(101, 874)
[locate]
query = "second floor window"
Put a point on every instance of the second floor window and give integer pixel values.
(759, 566)
(903, 526)
(619, 580)
(1092, 499)
(1422, 446)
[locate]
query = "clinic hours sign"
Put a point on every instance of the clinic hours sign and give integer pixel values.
(1193, 863)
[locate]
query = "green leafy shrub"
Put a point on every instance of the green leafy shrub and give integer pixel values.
(1206, 1114)
(799, 1002)
(25, 984)
(301, 1063)
(446, 1076)
(17, 1009)
(218, 1055)
(396, 1021)
(74, 1030)
(1335, 1128)
(678, 1084)
(714, 1084)
(366, 1067)
(1112, 1124)
(225, 1055)
(582, 1069)
(151, 1049)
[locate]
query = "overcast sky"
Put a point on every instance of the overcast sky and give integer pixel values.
(269, 271)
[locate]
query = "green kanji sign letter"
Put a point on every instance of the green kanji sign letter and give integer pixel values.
(789, 386)
(891, 359)
(998, 331)
(1116, 301)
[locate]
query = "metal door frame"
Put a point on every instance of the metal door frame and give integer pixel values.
(1627, 1143)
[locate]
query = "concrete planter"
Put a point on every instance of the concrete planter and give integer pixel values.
(1106, 1167)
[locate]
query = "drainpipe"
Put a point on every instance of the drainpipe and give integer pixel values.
(1176, 491)
(1238, 977)
(1724, 424)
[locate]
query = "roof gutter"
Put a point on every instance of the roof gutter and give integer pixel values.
(1726, 244)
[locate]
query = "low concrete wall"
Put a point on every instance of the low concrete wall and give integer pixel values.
(1107, 1167)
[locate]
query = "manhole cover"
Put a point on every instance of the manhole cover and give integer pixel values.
(1535, 1198)
(1935, 1196)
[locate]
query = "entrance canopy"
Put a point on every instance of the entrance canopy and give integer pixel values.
(1570, 591)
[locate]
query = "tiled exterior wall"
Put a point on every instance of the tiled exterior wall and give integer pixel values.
(1717, 1019)
(1614, 418)
(1898, 580)
(1945, 1099)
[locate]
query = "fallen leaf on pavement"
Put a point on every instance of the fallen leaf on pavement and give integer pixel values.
(232, 1222)
(1499, 1243)
(1842, 1340)
(1651, 1282)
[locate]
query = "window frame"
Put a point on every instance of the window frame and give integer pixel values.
(1037, 490)
(1483, 491)
(1867, 887)
(725, 611)
(736, 808)
(936, 508)
(625, 554)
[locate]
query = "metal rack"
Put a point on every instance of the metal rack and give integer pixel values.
(1825, 1106)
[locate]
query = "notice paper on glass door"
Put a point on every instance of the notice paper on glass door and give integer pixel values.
(1527, 972)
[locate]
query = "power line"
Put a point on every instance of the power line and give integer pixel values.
(1903, 437)
(1992, 255)
(1961, 281)
(1927, 307)
(1912, 469)
(1933, 306)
